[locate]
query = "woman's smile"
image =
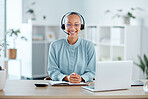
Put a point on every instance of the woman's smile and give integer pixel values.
(72, 32)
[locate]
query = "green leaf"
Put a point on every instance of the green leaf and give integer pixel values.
(130, 15)
(138, 8)
(146, 60)
(107, 11)
(143, 68)
(24, 38)
(141, 63)
(147, 73)
(132, 9)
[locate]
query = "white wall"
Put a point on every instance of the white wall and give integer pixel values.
(14, 21)
(53, 9)
(98, 7)
(92, 10)
(14, 16)
(2, 25)
(2, 19)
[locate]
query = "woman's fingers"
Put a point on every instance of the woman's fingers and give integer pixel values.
(74, 81)
(75, 78)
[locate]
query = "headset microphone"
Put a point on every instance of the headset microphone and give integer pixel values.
(66, 32)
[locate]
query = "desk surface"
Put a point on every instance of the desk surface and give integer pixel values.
(25, 89)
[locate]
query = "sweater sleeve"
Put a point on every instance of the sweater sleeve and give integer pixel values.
(53, 68)
(89, 73)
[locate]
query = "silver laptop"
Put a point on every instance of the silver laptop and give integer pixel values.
(112, 75)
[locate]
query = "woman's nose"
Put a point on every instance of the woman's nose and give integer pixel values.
(72, 28)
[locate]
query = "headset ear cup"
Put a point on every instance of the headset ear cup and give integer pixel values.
(63, 26)
(82, 26)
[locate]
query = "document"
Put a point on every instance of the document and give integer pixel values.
(62, 83)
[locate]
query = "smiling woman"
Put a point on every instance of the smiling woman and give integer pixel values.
(72, 59)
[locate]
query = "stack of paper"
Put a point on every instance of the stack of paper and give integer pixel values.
(57, 83)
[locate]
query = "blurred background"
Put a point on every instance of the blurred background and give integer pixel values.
(118, 29)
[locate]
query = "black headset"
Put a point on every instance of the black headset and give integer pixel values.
(71, 13)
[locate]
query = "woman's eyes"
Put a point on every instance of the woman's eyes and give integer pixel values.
(68, 24)
(76, 25)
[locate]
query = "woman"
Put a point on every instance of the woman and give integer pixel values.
(72, 58)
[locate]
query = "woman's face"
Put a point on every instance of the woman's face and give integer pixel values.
(73, 25)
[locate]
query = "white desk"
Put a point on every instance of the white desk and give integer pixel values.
(25, 89)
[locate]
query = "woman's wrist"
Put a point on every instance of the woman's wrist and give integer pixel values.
(66, 78)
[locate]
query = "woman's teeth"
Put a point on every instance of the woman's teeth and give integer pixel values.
(72, 32)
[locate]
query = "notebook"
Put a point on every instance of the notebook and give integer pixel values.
(61, 83)
(112, 75)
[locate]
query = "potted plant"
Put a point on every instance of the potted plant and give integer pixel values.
(12, 52)
(143, 64)
(2, 46)
(126, 16)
